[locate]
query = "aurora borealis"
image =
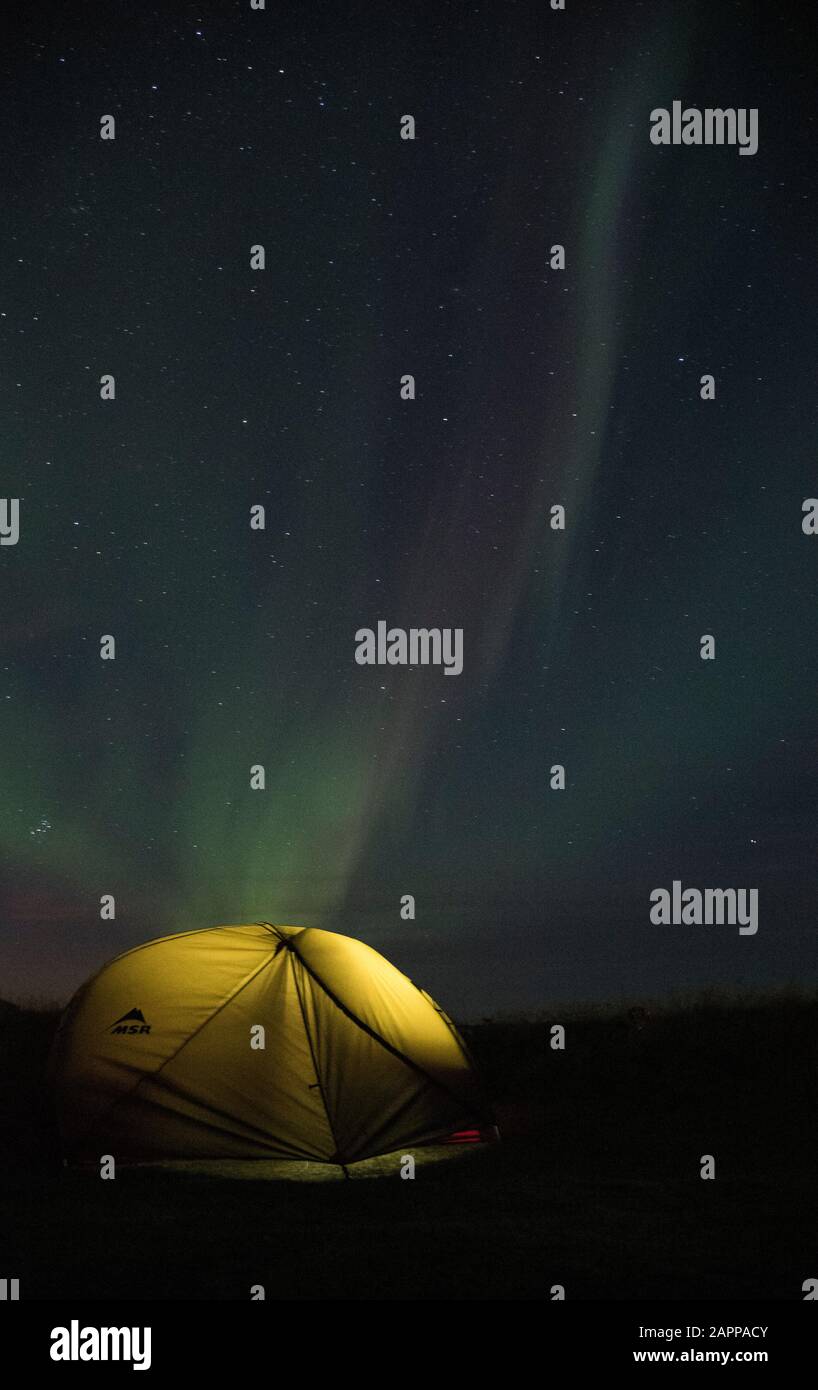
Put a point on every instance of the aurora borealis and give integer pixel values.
(535, 387)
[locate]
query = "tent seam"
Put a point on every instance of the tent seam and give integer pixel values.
(396, 1052)
(330, 1125)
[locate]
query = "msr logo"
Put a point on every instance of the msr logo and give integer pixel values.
(133, 1022)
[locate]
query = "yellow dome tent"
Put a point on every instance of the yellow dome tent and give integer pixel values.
(259, 1041)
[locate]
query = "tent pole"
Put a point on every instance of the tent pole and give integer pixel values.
(345, 1171)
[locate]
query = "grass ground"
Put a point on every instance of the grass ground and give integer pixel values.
(595, 1185)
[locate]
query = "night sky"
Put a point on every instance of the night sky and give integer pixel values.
(535, 387)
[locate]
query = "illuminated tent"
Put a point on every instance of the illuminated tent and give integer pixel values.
(259, 1042)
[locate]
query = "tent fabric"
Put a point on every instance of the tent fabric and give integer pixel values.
(153, 1058)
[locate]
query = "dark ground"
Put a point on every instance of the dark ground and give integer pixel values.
(595, 1186)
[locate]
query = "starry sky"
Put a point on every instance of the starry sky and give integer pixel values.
(535, 387)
